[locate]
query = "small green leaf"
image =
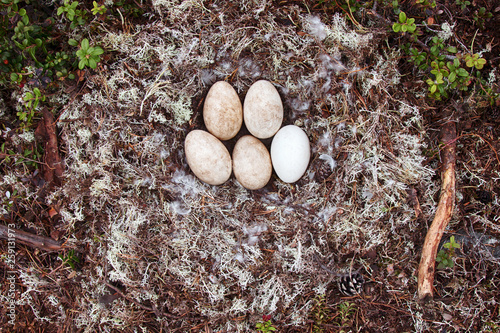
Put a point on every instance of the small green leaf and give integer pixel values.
(82, 63)
(92, 63)
(439, 78)
(96, 51)
(396, 27)
(85, 44)
(452, 77)
(402, 17)
(462, 72)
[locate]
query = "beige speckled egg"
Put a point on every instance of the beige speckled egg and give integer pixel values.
(222, 111)
(251, 163)
(263, 110)
(207, 157)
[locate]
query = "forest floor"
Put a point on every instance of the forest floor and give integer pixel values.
(139, 243)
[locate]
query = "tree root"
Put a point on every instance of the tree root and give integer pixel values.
(443, 213)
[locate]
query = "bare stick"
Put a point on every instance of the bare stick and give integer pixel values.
(443, 213)
(44, 243)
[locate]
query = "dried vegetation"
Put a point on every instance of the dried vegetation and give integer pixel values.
(158, 250)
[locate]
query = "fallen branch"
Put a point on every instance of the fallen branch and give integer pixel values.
(26, 238)
(443, 213)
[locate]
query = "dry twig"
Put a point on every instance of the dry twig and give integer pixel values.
(26, 238)
(443, 213)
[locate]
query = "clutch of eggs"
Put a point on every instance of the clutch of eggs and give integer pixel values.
(251, 162)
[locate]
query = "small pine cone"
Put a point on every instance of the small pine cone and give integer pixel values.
(323, 170)
(351, 284)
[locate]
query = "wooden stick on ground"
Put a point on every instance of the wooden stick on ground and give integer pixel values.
(44, 243)
(443, 213)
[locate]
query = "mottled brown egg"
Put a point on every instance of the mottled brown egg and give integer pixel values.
(263, 110)
(222, 111)
(207, 157)
(251, 163)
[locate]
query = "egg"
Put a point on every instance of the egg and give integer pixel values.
(251, 163)
(207, 157)
(222, 111)
(262, 110)
(290, 153)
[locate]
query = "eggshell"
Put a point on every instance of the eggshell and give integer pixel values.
(251, 163)
(290, 153)
(222, 111)
(263, 110)
(207, 157)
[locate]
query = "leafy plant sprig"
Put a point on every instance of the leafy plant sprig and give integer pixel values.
(71, 259)
(436, 86)
(419, 58)
(445, 258)
(98, 9)
(480, 17)
(473, 60)
(427, 3)
(463, 4)
(266, 326)
(88, 55)
(31, 101)
(345, 311)
(405, 24)
(458, 77)
(76, 16)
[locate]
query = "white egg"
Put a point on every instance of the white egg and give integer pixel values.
(251, 163)
(222, 111)
(207, 157)
(290, 153)
(262, 110)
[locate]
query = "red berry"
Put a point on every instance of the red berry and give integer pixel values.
(6, 62)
